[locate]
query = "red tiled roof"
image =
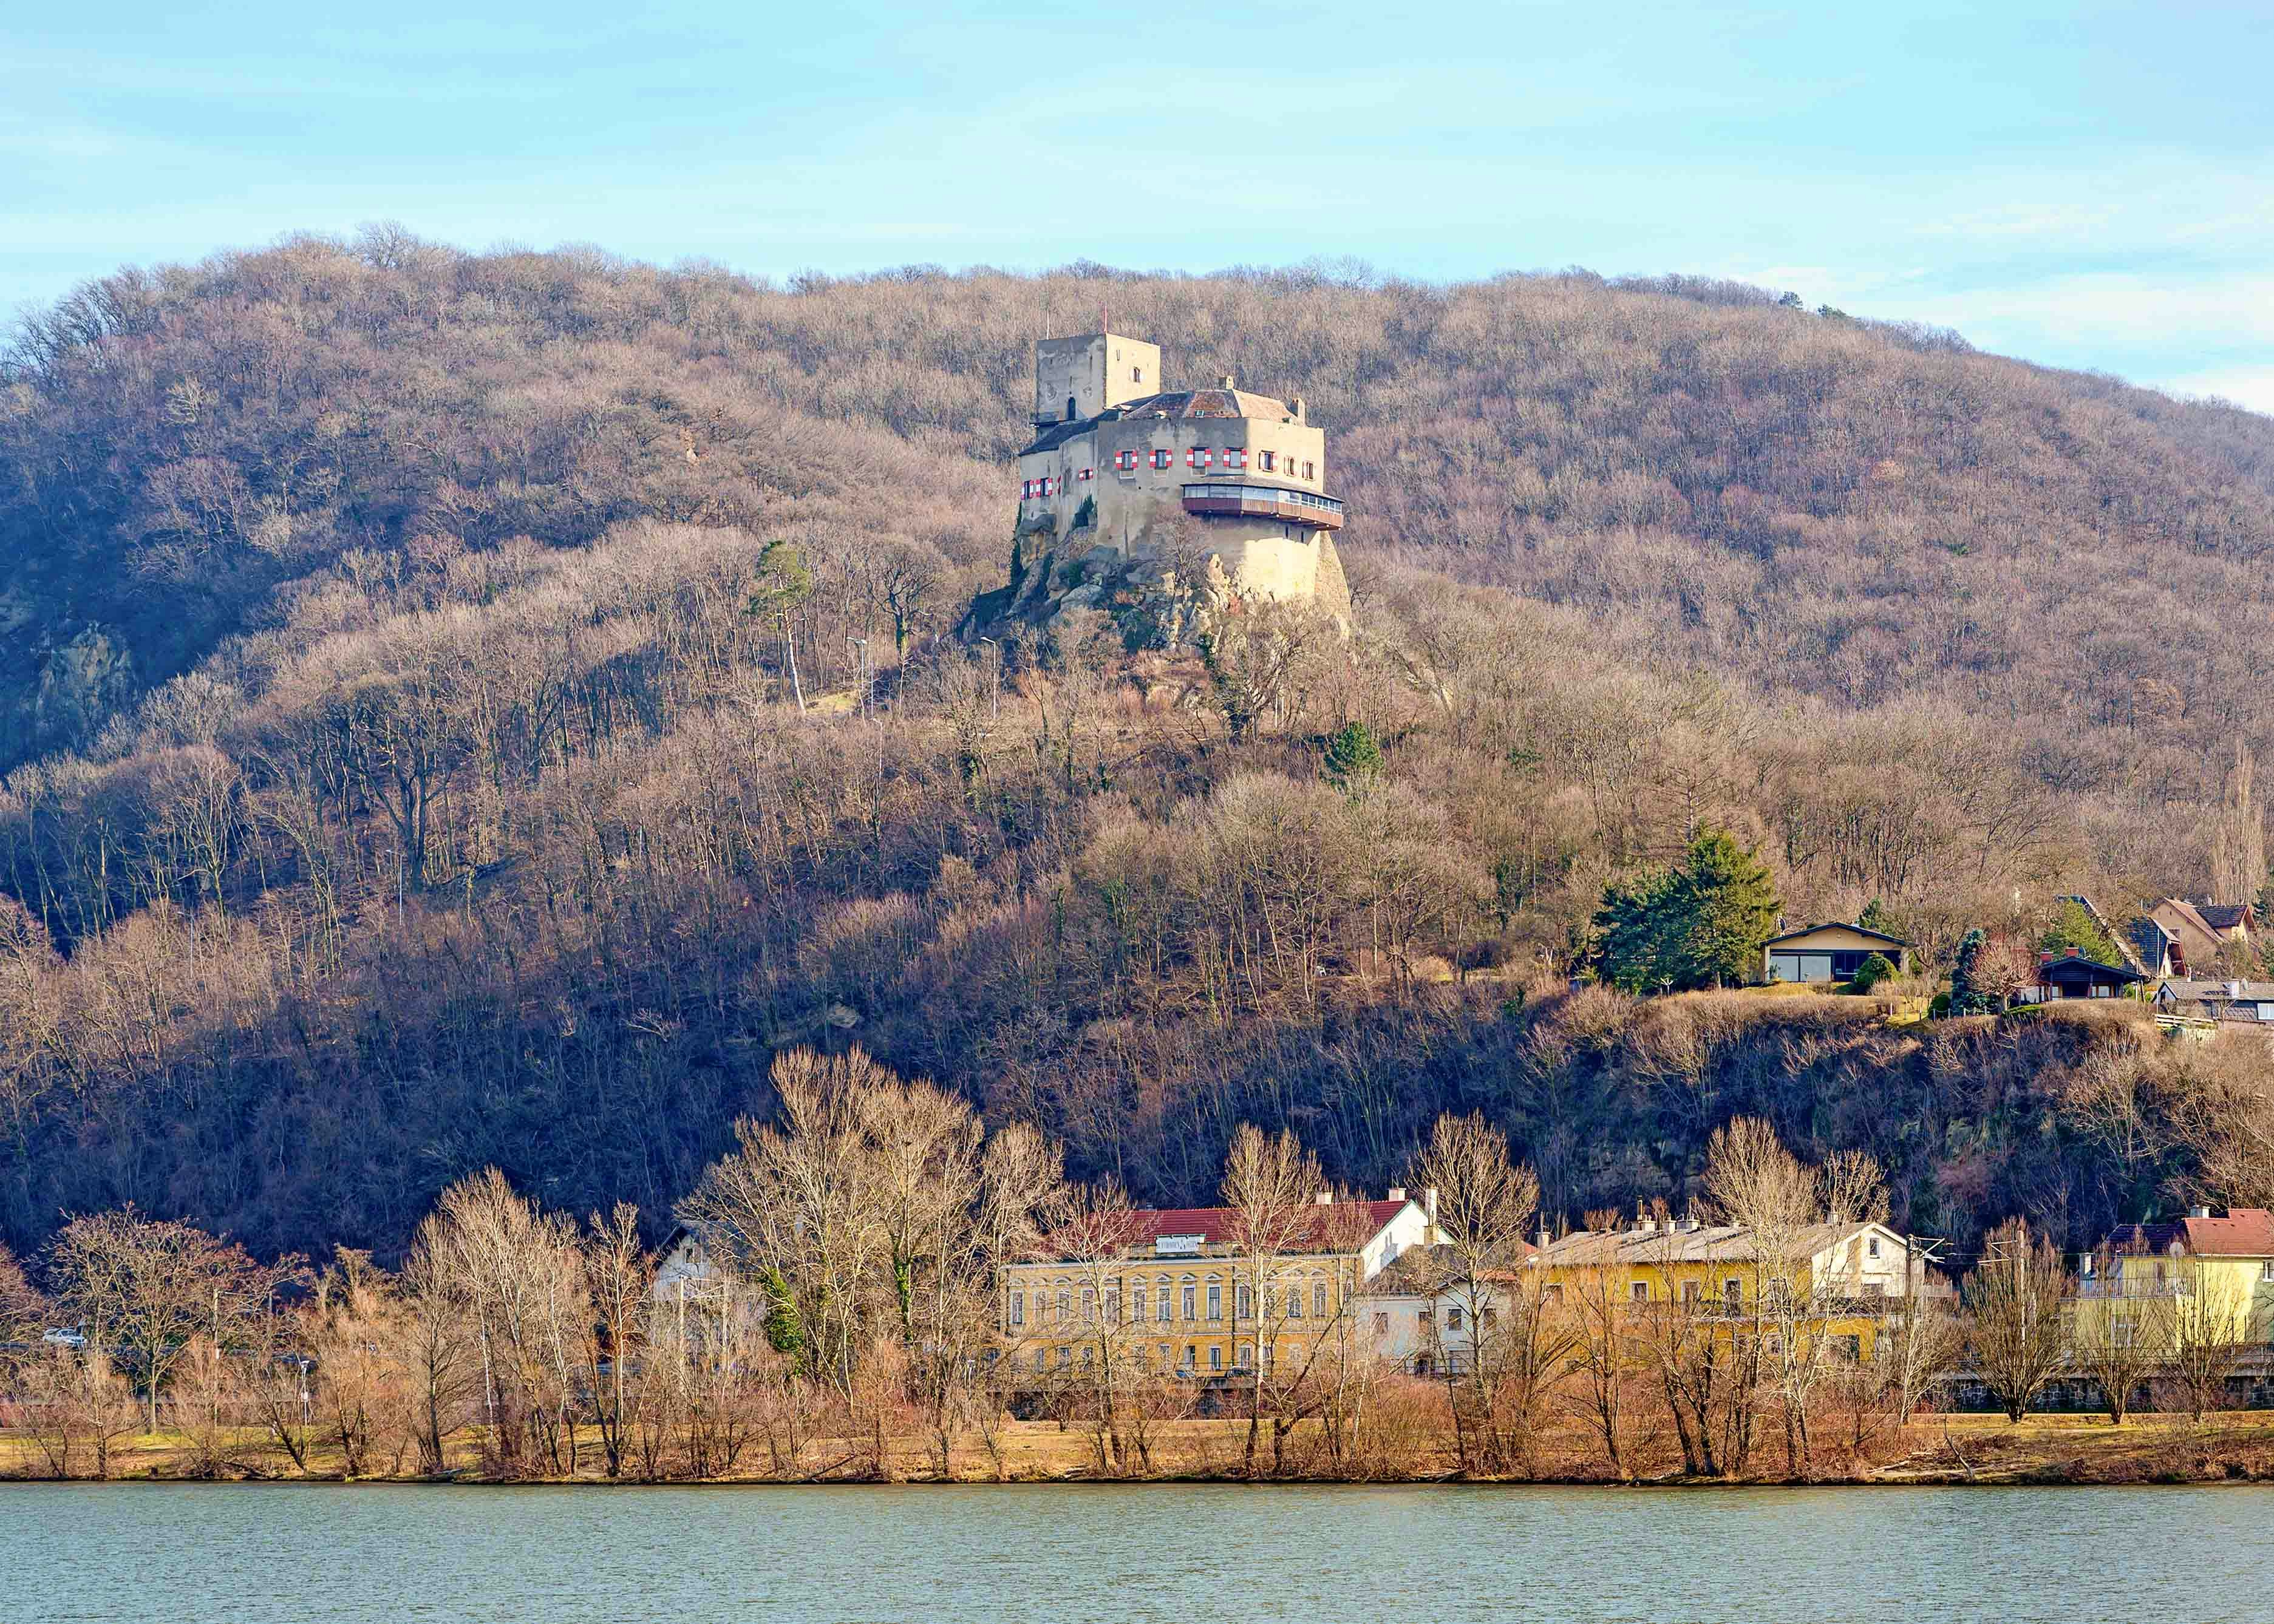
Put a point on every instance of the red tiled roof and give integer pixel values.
(1218, 1225)
(2245, 1232)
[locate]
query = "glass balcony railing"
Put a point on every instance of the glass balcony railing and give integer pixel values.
(1227, 499)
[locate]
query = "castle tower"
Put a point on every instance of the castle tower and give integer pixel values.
(1077, 377)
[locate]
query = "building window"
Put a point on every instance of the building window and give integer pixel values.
(1294, 1302)
(1188, 1301)
(1554, 1293)
(1309, 472)
(1086, 473)
(1492, 1318)
(1066, 1357)
(1263, 460)
(2266, 1270)
(1452, 1319)
(1689, 1292)
(1017, 1308)
(1318, 1300)
(1136, 375)
(1234, 457)
(1065, 1307)
(1732, 1294)
(1198, 456)
(1165, 1301)
(1246, 1358)
(1216, 1302)
(1088, 1305)
(1246, 1299)
(1113, 1304)
(1871, 1247)
(1639, 1291)
(1137, 1302)
(1125, 460)
(1382, 1325)
(1215, 1358)
(1425, 1319)
(1161, 458)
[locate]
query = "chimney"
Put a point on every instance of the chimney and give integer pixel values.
(2199, 1211)
(1429, 1202)
(2235, 990)
(2071, 953)
(1298, 404)
(2044, 958)
(1397, 1192)
(1227, 383)
(1325, 1198)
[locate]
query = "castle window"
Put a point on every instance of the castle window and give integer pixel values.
(1161, 459)
(1263, 460)
(1197, 457)
(1125, 460)
(1234, 457)
(1310, 471)
(1136, 375)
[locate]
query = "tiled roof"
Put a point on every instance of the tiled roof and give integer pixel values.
(2224, 916)
(1723, 1243)
(2204, 991)
(2244, 1232)
(1218, 1226)
(1206, 403)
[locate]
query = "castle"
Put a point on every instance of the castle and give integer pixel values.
(1220, 476)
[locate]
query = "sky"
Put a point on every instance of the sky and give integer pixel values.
(2084, 187)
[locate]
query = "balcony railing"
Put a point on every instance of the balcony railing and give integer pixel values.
(1227, 500)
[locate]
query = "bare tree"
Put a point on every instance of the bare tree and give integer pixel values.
(2123, 1330)
(1270, 1184)
(2014, 1301)
(142, 1288)
(2210, 1319)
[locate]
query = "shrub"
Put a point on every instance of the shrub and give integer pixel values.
(1874, 970)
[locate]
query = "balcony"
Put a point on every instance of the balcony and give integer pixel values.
(1235, 499)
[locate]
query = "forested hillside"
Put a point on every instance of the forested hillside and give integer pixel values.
(402, 780)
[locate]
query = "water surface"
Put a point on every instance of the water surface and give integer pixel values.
(1152, 1554)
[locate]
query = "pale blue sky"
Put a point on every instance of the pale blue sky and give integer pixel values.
(2088, 185)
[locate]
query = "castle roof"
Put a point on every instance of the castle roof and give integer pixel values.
(1205, 403)
(1176, 403)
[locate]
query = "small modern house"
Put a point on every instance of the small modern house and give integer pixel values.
(1829, 953)
(2073, 975)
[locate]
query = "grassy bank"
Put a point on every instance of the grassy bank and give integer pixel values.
(2233, 1447)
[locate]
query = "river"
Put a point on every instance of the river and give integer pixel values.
(1155, 1554)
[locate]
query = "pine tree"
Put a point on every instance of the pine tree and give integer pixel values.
(1353, 760)
(1637, 945)
(1727, 904)
(1965, 998)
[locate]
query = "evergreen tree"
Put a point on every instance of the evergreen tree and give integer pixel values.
(1726, 903)
(1353, 760)
(1702, 925)
(1637, 942)
(2073, 927)
(1876, 917)
(1965, 998)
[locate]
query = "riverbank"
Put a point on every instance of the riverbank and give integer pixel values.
(2232, 1447)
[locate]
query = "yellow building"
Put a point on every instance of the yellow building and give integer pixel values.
(1177, 1292)
(1831, 1279)
(2206, 1277)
